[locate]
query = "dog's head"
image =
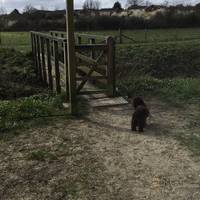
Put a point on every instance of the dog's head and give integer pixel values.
(138, 101)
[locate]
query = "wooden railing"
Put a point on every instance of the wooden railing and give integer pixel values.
(95, 61)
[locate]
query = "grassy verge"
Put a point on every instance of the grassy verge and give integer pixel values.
(19, 41)
(17, 75)
(164, 70)
(23, 98)
(15, 114)
(174, 91)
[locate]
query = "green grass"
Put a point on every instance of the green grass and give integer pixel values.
(17, 40)
(155, 35)
(21, 40)
(18, 77)
(169, 70)
(14, 113)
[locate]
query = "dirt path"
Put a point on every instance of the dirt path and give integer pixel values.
(99, 158)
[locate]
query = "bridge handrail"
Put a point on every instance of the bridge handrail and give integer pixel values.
(88, 36)
(46, 35)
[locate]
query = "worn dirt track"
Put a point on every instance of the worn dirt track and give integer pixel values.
(99, 158)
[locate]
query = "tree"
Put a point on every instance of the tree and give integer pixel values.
(91, 5)
(134, 2)
(165, 3)
(148, 3)
(117, 6)
(29, 9)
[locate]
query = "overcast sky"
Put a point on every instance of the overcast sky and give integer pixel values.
(9, 5)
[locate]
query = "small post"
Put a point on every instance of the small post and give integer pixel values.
(111, 66)
(57, 70)
(49, 65)
(71, 55)
(43, 60)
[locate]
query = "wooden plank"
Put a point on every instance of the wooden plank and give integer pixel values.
(88, 92)
(50, 36)
(100, 70)
(86, 59)
(89, 36)
(38, 56)
(93, 47)
(84, 81)
(71, 55)
(108, 102)
(49, 65)
(91, 78)
(44, 75)
(57, 71)
(35, 52)
(111, 66)
(92, 54)
(66, 73)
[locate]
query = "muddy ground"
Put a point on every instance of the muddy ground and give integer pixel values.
(99, 158)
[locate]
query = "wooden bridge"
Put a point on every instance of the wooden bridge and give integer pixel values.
(95, 63)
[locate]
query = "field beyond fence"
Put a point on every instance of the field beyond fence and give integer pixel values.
(21, 40)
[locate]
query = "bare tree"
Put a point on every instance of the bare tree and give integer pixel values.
(165, 3)
(91, 5)
(29, 9)
(42, 7)
(148, 3)
(134, 2)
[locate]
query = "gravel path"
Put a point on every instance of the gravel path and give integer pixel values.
(99, 158)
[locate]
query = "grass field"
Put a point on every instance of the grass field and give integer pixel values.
(21, 40)
(17, 40)
(156, 35)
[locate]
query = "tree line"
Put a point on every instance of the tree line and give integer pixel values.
(40, 20)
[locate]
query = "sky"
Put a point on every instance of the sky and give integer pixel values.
(9, 5)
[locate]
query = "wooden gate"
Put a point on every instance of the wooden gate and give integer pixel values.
(95, 62)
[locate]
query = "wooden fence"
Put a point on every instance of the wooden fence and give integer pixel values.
(95, 62)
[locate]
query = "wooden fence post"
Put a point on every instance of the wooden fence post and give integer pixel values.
(34, 51)
(79, 40)
(44, 74)
(92, 41)
(71, 55)
(66, 70)
(111, 66)
(38, 56)
(49, 65)
(57, 70)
